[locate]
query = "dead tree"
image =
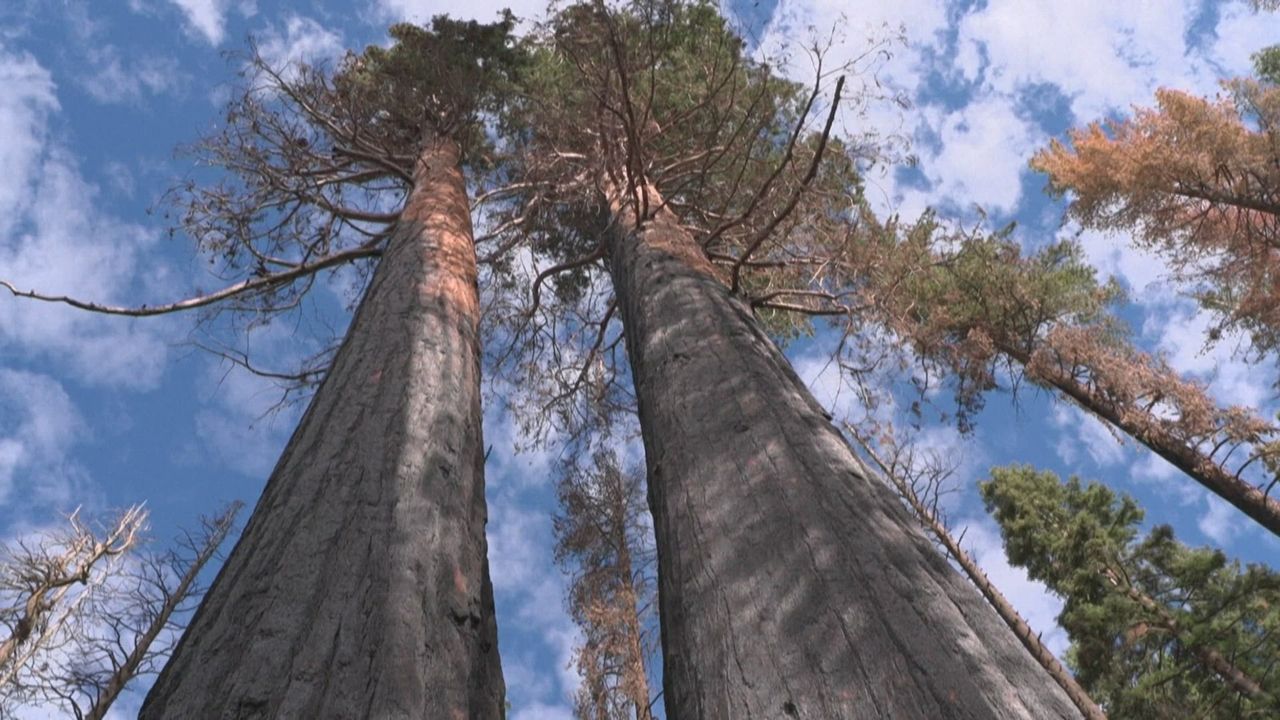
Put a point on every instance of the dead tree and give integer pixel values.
(44, 580)
(126, 627)
(604, 544)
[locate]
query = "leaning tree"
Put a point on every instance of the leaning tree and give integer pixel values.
(973, 306)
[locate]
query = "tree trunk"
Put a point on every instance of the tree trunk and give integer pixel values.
(635, 680)
(1028, 637)
(790, 585)
(1239, 681)
(360, 587)
(1244, 495)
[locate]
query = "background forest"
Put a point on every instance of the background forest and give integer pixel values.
(1008, 255)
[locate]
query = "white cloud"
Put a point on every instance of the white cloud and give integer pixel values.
(1240, 33)
(68, 247)
(824, 378)
(1101, 54)
(27, 103)
(1081, 430)
(206, 17)
(1221, 522)
(303, 41)
(799, 20)
(526, 576)
(868, 112)
(981, 153)
(38, 426)
(111, 78)
(518, 545)
(54, 238)
(241, 424)
(421, 11)
(1115, 256)
(510, 467)
(1179, 333)
(543, 711)
(1151, 466)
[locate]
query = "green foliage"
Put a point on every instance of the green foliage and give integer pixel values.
(966, 300)
(1266, 64)
(662, 90)
(433, 79)
(987, 282)
(1147, 616)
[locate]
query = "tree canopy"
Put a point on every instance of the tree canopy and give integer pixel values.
(1157, 629)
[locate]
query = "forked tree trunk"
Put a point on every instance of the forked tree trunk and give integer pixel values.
(790, 585)
(360, 587)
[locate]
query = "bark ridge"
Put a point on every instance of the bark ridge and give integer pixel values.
(790, 584)
(360, 587)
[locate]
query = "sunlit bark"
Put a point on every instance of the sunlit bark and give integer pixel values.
(360, 587)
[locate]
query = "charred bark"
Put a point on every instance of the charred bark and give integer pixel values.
(360, 587)
(790, 584)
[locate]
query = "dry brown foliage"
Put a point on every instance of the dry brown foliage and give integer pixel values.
(603, 542)
(1198, 182)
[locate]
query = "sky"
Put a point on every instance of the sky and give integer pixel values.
(105, 412)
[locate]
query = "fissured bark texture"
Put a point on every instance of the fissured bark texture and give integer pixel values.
(360, 587)
(790, 585)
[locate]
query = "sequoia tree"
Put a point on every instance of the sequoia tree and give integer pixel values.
(360, 586)
(919, 483)
(790, 583)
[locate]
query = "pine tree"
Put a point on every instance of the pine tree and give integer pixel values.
(972, 305)
(1157, 629)
(1194, 180)
(603, 542)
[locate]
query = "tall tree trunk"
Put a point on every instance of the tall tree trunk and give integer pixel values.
(360, 587)
(790, 585)
(1028, 637)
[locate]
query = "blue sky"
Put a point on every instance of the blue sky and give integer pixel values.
(105, 412)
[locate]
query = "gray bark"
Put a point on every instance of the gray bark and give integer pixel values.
(790, 584)
(1026, 635)
(360, 587)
